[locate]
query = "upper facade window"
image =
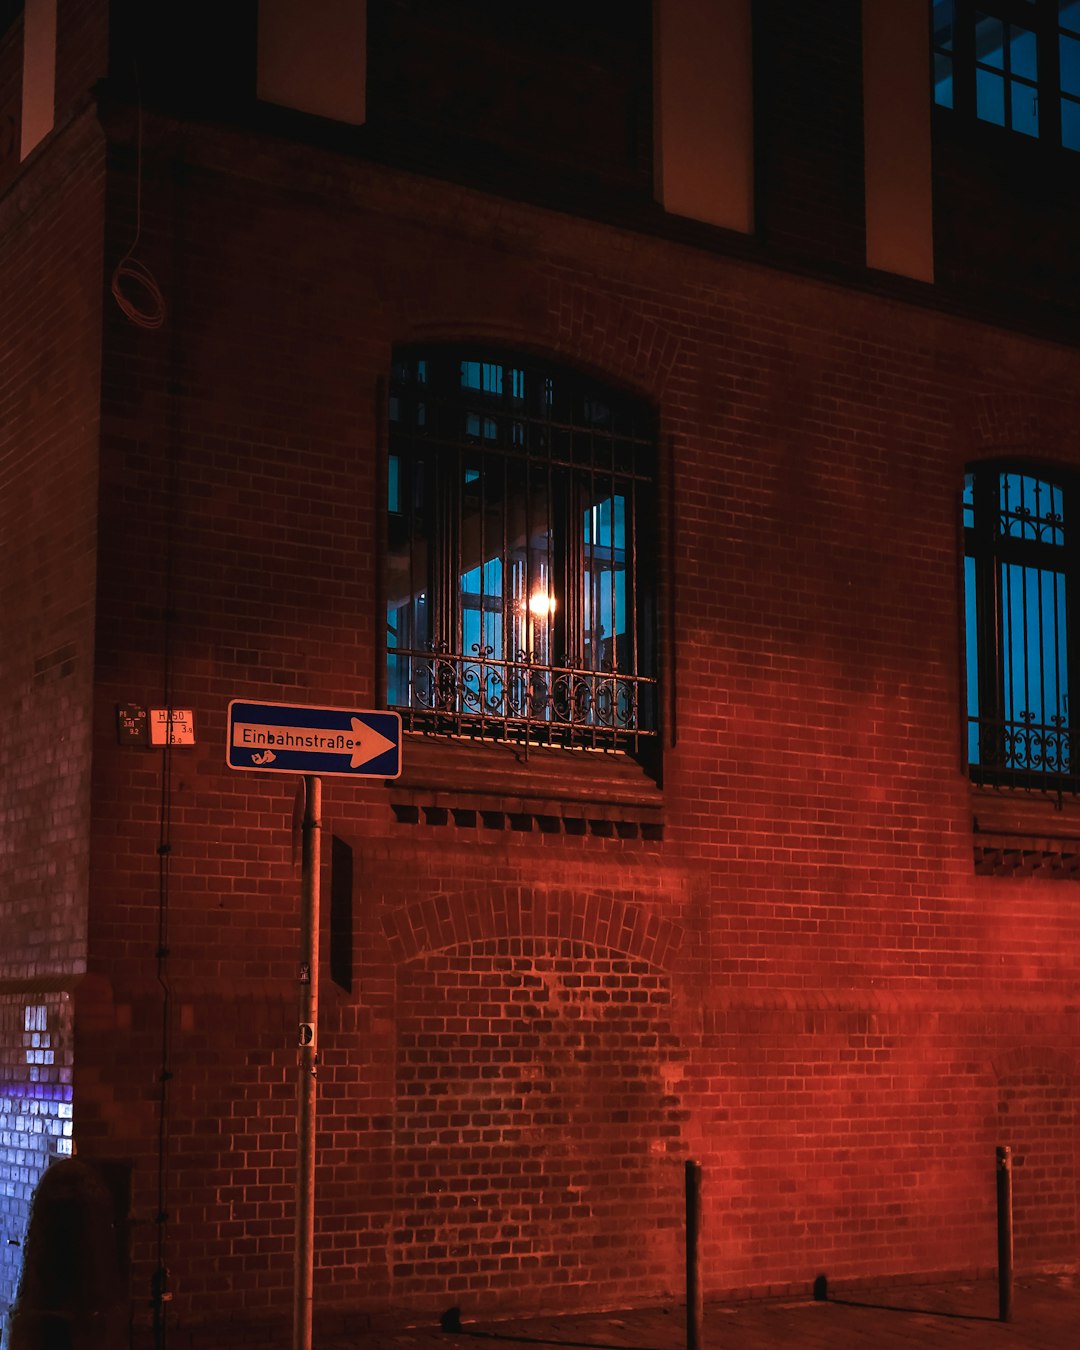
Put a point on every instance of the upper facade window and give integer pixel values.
(521, 552)
(1013, 63)
(1020, 579)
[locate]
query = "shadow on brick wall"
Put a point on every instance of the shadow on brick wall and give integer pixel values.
(72, 1293)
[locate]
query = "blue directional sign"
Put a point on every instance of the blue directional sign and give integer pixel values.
(289, 738)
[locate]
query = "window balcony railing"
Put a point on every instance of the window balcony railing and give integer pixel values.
(1023, 753)
(523, 700)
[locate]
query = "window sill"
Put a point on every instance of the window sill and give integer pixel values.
(447, 780)
(1021, 833)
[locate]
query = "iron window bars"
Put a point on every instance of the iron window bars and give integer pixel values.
(521, 549)
(1020, 584)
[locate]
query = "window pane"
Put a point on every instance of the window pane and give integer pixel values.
(1025, 109)
(1070, 65)
(481, 608)
(1032, 508)
(477, 427)
(393, 492)
(943, 24)
(989, 41)
(943, 81)
(604, 585)
(990, 97)
(1069, 15)
(482, 634)
(1022, 58)
(1070, 125)
(482, 375)
(1035, 667)
(969, 499)
(972, 651)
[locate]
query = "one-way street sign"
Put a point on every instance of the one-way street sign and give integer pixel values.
(290, 738)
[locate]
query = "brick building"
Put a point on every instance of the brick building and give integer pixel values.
(671, 411)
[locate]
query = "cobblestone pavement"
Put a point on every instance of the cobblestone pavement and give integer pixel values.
(955, 1316)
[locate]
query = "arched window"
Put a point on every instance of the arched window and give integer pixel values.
(1020, 573)
(522, 548)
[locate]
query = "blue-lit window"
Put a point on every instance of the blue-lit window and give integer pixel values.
(521, 552)
(1006, 74)
(1010, 63)
(1069, 66)
(1019, 574)
(944, 18)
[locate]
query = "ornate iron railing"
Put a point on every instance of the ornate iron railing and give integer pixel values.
(520, 699)
(1024, 753)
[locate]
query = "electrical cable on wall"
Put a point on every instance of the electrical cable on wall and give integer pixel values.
(142, 301)
(160, 1294)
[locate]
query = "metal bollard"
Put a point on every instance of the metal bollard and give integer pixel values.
(1005, 1234)
(695, 1309)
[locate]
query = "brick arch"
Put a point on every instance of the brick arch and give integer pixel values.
(583, 328)
(478, 298)
(1035, 1058)
(585, 324)
(443, 921)
(496, 332)
(598, 330)
(1010, 423)
(588, 324)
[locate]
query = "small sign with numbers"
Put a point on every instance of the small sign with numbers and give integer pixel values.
(172, 726)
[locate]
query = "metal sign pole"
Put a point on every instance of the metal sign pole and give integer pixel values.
(309, 1058)
(298, 739)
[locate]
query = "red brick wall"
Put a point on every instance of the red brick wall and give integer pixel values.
(530, 1118)
(803, 983)
(48, 445)
(1037, 1113)
(50, 303)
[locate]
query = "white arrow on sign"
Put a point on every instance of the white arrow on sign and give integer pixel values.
(362, 743)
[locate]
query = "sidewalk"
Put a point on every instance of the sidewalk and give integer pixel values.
(955, 1316)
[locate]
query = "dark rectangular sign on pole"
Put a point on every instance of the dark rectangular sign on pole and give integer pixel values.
(292, 738)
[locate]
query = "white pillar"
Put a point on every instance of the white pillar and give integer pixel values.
(39, 73)
(703, 111)
(896, 137)
(313, 57)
